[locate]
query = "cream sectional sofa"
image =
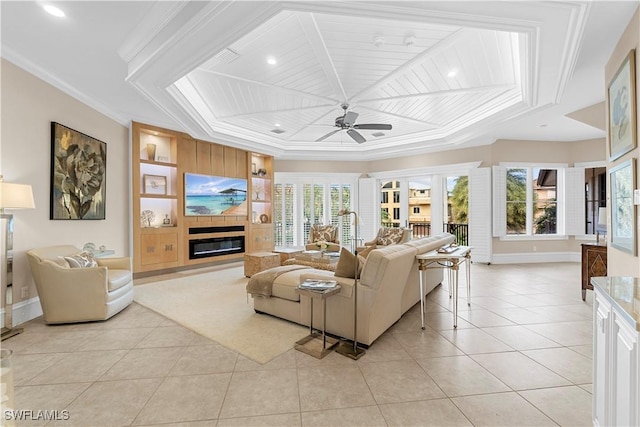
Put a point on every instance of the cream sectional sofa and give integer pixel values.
(387, 288)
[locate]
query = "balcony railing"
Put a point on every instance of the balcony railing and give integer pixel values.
(419, 229)
(423, 229)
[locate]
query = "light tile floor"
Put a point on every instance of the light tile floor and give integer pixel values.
(521, 356)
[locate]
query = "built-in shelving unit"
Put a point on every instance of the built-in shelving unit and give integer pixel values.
(261, 202)
(165, 236)
(156, 202)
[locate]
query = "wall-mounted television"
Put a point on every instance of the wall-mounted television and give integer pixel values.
(208, 195)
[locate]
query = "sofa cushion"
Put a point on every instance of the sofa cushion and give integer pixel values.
(284, 286)
(117, 279)
(81, 260)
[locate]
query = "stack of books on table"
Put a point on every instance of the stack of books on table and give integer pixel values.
(318, 285)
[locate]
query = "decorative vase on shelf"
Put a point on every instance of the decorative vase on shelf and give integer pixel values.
(151, 151)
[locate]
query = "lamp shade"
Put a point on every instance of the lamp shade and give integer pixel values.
(602, 217)
(16, 196)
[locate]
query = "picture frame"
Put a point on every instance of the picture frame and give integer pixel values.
(154, 184)
(623, 211)
(621, 96)
(73, 195)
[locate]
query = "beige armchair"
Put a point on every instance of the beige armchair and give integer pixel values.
(326, 233)
(69, 295)
(390, 236)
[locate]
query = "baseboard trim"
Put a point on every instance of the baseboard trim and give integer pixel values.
(534, 257)
(24, 311)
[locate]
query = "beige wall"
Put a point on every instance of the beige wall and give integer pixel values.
(621, 263)
(29, 105)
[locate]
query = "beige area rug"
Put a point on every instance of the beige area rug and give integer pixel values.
(214, 304)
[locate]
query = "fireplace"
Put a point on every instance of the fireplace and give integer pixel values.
(215, 246)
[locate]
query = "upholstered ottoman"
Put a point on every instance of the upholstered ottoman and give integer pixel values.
(259, 261)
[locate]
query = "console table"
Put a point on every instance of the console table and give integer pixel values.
(448, 260)
(594, 264)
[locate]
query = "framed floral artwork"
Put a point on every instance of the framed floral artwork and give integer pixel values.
(78, 175)
(622, 108)
(623, 212)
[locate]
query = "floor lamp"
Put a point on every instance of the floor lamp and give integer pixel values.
(346, 349)
(12, 196)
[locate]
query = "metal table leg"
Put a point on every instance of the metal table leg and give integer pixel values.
(422, 269)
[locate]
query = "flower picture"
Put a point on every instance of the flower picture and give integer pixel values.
(78, 175)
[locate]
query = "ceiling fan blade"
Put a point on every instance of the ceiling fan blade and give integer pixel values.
(356, 136)
(373, 126)
(322, 138)
(350, 118)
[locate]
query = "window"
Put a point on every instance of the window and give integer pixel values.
(526, 200)
(595, 192)
(531, 201)
(300, 202)
(416, 210)
(389, 203)
(396, 214)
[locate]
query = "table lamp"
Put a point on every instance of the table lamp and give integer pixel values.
(344, 348)
(12, 196)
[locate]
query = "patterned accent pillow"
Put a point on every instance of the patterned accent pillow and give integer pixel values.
(323, 233)
(389, 236)
(81, 260)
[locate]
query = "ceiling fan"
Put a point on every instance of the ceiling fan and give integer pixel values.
(347, 122)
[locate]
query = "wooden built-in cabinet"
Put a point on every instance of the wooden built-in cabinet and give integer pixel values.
(156, 198)
(164, 236)
(261, 228)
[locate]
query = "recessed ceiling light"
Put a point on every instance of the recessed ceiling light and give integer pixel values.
(271, 60)
(277, 125)
(452, 73)
(52, 10)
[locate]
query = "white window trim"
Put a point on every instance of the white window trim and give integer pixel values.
(501, 204)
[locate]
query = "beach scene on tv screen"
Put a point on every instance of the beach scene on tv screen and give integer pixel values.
(214, 195)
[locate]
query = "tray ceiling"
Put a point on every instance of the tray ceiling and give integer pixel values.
(442, 74)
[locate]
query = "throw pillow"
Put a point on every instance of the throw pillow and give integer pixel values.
(81, 260)
(346, 266)
(366, 251)
(61, 262)
(389, 236)
(326, 233)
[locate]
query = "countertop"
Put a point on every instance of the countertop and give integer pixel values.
(624, 293)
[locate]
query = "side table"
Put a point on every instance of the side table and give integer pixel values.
(287, 253)
(315, 344)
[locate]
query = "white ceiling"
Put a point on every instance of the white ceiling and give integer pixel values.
(520, 68)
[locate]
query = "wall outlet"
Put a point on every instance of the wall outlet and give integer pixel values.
(636, 197)
(24, 292)
(535, 248)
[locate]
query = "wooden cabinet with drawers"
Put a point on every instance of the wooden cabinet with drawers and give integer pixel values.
(594, 264)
